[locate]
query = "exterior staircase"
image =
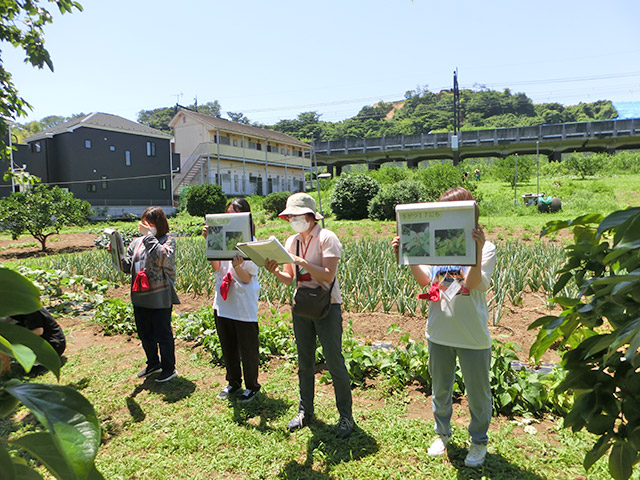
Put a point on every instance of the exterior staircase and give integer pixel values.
(190, 168)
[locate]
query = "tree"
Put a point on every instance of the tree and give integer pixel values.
(42, 211)
(157, 118)
(505, 169)
(210, 108)
(204, 199)
(585, 164)
(351, 196)
(603, 323)
(70, 443)
(238, 117)
(22, 25)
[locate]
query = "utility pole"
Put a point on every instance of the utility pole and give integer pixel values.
(456, 103)
(456, 119)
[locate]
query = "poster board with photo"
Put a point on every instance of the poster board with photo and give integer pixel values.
(117, 248)
(436, 233)
(225, 231)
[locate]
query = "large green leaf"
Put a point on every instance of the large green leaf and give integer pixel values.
(25, 473)
(24, 355)
(6, 464)
(45, 354)
(42, 446)
(621, 460)
(69, 417)
(598, 450)
(616, 219)
(17, 294)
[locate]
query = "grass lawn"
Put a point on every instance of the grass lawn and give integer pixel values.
(180, 430)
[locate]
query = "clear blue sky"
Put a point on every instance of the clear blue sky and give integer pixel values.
(274, 59)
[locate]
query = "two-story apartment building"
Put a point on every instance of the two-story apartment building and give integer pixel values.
(242, 159)
(117, 165)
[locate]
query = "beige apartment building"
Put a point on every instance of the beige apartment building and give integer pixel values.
(242, 159)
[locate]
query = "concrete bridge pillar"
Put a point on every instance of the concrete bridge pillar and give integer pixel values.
(555, 156)
(456, 157)
(338, 170)
(412, 164)
(373, 166)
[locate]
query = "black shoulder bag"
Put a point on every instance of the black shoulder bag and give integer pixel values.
(311, 302)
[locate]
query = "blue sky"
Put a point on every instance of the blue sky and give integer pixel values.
(274, 59)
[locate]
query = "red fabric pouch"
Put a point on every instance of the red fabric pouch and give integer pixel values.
(433, 294)
(225, 285)
(141, 282)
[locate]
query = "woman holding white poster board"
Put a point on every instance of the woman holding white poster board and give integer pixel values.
(316, 252)
(236, 315)
(457, 327)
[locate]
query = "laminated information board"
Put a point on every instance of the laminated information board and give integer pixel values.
(436, 233)
(225, 231)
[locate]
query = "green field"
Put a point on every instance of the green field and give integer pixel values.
(180, 430)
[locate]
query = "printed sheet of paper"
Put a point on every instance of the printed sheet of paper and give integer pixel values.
(436, 233)
(117, 248)
(225, 231)
(260, 250)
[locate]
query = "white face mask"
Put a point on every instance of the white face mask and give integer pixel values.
(299, 224)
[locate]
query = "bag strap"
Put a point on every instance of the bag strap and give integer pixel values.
(298, 268)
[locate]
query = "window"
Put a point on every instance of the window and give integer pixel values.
(214, 137)
(259, 147)
(225, 141)
(235, 142)
(87, 144)
(253, 145)
(127, 158)
(91, 187)
(104, 182)
(151, 149)
(163, 184)
(112, 148)
(36, 147)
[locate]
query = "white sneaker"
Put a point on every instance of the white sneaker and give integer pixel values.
(439, 446)
(476, 455)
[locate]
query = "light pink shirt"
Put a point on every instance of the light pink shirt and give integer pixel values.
(322, 243)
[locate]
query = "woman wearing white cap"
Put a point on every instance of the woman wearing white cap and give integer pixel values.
(316, 251)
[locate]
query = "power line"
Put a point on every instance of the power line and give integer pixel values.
(97, 180)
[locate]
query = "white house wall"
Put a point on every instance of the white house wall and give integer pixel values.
(192, 134)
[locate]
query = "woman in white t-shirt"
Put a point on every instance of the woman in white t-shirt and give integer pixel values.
(458, 328)
(236, 315)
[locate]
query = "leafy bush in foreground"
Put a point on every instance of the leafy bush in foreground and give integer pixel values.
(603, 319)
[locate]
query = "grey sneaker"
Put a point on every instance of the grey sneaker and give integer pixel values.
(146, 371)
(227, 392)
(300, 420)
(477, 454)
(345, 427)
(166, 376)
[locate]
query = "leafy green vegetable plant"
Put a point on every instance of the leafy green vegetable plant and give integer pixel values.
(603, 367)
(68, 445)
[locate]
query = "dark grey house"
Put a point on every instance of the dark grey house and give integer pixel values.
(117, 165)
